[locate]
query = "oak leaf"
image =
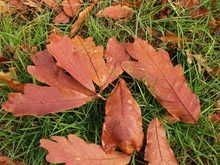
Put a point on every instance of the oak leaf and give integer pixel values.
(71, 7)
(158, 150)
(116, 12)
(64, 91)
(165, 82)
(76, 151)
(89, 59)
(123, 123)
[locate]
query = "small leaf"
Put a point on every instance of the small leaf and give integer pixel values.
(165, 82)
(74, 150)
(123, 123)
(158, 150)
(61, 18)
(116, 12)
(71, 7)
(82, 17)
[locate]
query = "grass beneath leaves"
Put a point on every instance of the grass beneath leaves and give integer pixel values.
(192, 144)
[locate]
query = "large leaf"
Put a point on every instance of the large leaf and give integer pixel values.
(123, 123)
(39, 100)
(158, 151)
(165, 82)
(71, 7)
(74, 150)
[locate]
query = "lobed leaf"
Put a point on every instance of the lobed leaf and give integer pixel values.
(76, 151)
(165, 82)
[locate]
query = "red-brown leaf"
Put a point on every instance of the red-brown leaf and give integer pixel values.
(165, 82)
(61, 18)
(46, 71)
(69, 59)
(74, 150)
(41, 100)
(52, 4)
(158, 151)
(123, 123)
(116, 12)
(82, 17)
(71, 7)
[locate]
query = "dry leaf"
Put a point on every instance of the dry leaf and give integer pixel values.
(158, 151)
(165, 82)
(71, 7)
(116, 12)
(61, 18)
(82, 17)
(76, 151)
(173, 39)
(7, 78)
(52, 4)
(189, 57)
(201, 62)
(123, 123)
(65, 92)
(89, 58)
(4, 160)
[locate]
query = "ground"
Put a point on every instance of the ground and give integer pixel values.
(192, 144)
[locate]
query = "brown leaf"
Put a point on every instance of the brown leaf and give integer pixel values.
(34, 4)
(61, 18)
(189, 3)
(76, 151)
(82, 17)
(17, 4)
(123, 123)
(69, 59)
(7, 78)
(4, 160)
(71, 7)
(158, 150)
(5, 8)
(52, 4)
(46, 71)
(116, 12)
(173, 39)
(42, 100)
(165, 82)
(90, 60)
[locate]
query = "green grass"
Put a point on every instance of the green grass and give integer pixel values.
(193, 144)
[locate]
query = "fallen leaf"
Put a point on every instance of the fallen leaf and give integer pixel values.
(116, 12)
(17, 4)
(4, 160)
(76, 151)
(64, 91)
(128, 3)
(71, 7)
(7, 78)
(61, 18)
(90, 60)
(52, 4)
(158, 150)
(191, 4)
(165, 82)
(202, 63)
(82, 17)
(34, 4)
(5, 8)
(173, 38)
(123, 123)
